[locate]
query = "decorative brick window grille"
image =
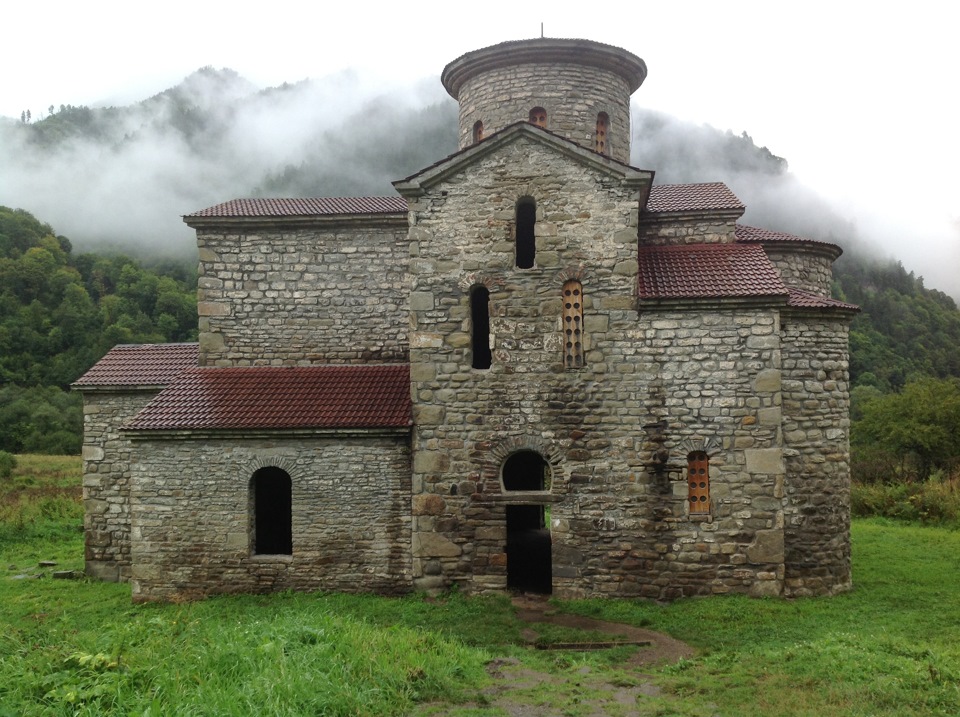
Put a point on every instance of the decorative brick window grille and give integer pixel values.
(477, 131)
(698, 483)
(572, 324)
(526, 238)
(538, 116)
(272, 512)
(603, 124)
(480, 321)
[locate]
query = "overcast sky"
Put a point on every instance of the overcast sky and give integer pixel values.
(860, 97)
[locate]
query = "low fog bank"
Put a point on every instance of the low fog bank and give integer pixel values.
(123, 177)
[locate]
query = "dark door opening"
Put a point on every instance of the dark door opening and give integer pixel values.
(272, 515)
(529, 564)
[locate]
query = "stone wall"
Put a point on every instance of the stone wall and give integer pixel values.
(282, 297)
(572, 95)
(619, 520)
(106, 481)
(816, 424)
(192, 516)
(804, 268)
(668, 231)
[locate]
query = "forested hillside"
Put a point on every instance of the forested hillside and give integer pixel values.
(59, 313)
(216, 137)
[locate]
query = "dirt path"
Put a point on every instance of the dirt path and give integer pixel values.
(519, 691)
(662, 648)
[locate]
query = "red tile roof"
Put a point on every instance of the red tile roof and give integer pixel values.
(304, 207)
(754, 234)
(695, 271)
(805, 300)
(140, 365)
(275, 397)
(692, 198)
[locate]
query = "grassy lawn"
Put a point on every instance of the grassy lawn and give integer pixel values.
(77, 647)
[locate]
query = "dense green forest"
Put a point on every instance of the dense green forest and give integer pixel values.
(59, 313)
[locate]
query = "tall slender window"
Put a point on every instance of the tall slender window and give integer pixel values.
(603, 124)
(272, 512)
(572, 324)
(698, 483)
(477, 131)
(480, 321)
(526, 233)
(538, 116)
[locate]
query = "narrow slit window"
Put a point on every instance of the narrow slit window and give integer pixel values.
(698, 483)
(480, 321)
(272, 512)
(526, 221)
(572, 314)
(477, 131)
(538, 116)
(603, 124)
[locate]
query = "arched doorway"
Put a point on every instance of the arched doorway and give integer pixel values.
(529, 562)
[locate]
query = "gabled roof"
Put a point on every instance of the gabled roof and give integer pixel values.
(711, 196)
(801, 299)
(140, 365)
(308, 207)
(702, 271)
(413, 185)
(281, 398)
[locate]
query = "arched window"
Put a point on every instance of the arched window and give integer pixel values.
(480, 322)
(526, 470)
(477, 131)
(526, 233)
(603, 124)
(572, 314)
(272, 512)
(538, 116)
(698, 483)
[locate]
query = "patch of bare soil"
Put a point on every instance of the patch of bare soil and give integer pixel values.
(519, 691)
(661, 648)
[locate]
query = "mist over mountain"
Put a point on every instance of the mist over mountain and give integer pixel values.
(122, 176)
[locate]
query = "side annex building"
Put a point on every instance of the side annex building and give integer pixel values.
(533, 368)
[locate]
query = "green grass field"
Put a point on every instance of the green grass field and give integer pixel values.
(78, 647)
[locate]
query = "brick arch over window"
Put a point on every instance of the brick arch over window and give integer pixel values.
(493, 459)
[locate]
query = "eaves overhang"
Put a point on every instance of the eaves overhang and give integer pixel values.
(549, 50)
(245, 434)
(725, 215)
(307, 221)
(713, 302)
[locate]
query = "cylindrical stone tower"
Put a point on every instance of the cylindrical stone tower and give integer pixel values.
(576, 88)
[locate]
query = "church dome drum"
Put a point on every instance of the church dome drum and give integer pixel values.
(578, 89)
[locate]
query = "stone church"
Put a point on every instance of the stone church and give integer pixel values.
(532, 368)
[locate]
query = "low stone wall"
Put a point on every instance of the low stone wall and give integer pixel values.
(106, 481)
(192, 516)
